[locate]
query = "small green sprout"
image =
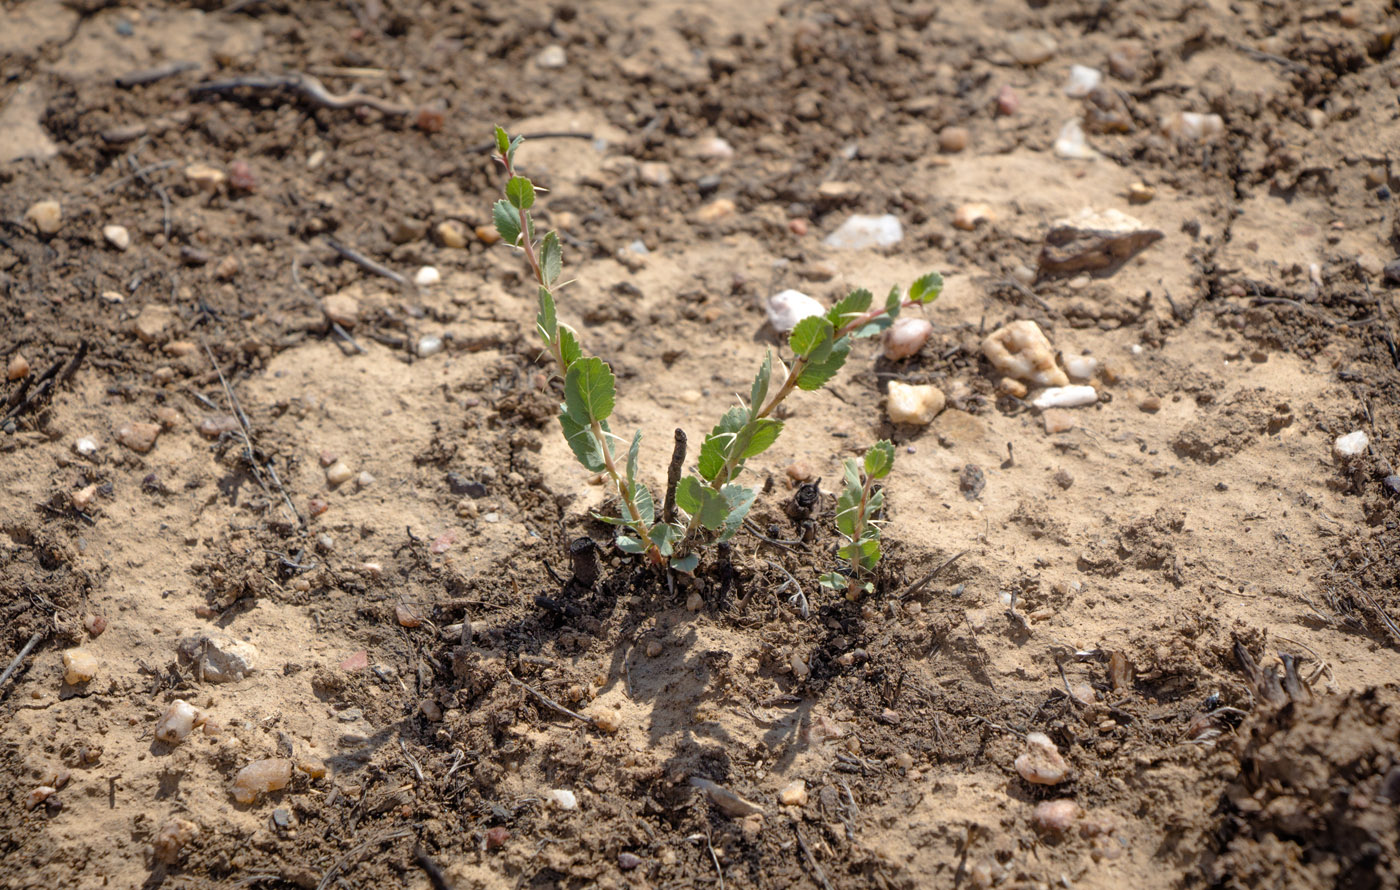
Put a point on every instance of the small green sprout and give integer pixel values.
(856, 510)
(708, 505)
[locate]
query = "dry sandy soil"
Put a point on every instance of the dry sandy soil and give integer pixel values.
(1165, 558)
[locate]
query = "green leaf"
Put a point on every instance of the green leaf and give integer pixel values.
(810, 333)
(686, 563)
(507, 222)
(664, 536)
(847, 511)
(569, 349)
(583, 443)
(763, 433)
(739, 498)
(850, 471)
(588, 390)
(817, 373)
(547, 322)
(646, 505)
(551, 258)
(520, 192)
(759, 393)
(688, 496)
(514, 147)
(864, 554)
(879, 460)
(502, 141)
(632, 457)
(715, 450)
(834, 581)
(629, 544)
(893, 302)
(713, 508)
(849, 307)
(873, 327)
(926, 289)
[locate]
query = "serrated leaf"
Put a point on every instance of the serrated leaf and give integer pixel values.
(520, 192)
(809, 335)
(847, 511)
(758, 393)
(507, 222)
(589, 390)
(547, 322)
(713, 508)
(514, 147)
(502, 141)
(583, 443)
(927, 288)
(873, 505)
(715, 450)
(740, 499)
(849, 307)
(817, 373)
(551, 259)
(764, 432)
(664, 536)
(628, 544)
(569, 350)
(850, 472)
(688, 494)
(632, 454)
(686, 563)
(864, 554)
(893, 301)
(879, 460)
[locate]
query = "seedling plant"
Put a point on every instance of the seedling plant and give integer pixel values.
(709, 504)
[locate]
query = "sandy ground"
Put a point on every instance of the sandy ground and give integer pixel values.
(1132, 586)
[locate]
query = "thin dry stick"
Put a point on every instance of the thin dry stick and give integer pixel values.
(365, 262)
(343, 861)
(546, 700)
(924, 581)
(305, 85)
(33, 641)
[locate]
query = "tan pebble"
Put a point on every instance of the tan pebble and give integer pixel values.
(431, 710)
(172, 837)
(178, 721)
(314, 767)
(799, 471)
(653, 649)
(407, 615)
(914, 608)
(338, 473)
(150, 324)
(1141, 193)
(715, 211)
(261, 777)
(797, 227)
(1041, 764)
(969, 216)
(216, 426)
(79, 666)
(342, 309)
(655, 173)
(82, 499)
(95, 624)
(1041, 615)
(162, 375)
(46, 216)
(1085, 694)
(139, 437)
(695, 602)
(167, 417)
(794, 794)
(607, 721)
(1151, 405)
(1021, 350)
(953, 139)
(1013, 387)
(18, 368)
(227, 268)
(487, 235)
(451, 234)
(800, 670)
(1056, 816)
(205, 176)
(916, 404)
(1057, 420)
(904, 760)
(179, 348)
(117, 236)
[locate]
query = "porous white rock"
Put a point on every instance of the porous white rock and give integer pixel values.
(552, 56)
(1082, 80)
(1022, 351)
(916, 404)
(787, 308)
(859, 232)
(1066, 397)
(1353, 444)
(1072, 145)
(562, 798)
(1081, 368)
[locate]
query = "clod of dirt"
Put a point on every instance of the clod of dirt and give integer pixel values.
(1093, 241)
(341, 309)
(1021, 350)
(178, 721)
(1188, 126)
(18, 367)
(787, 308)
(79, 666)
(729, 803)
(171, 839)
(1042, 764)
(151, 322)
(1066, 397)
(261, 777)
(859, 232)
(1056, 816)
(914, 404)
(218, 658)
(45, 216)
(794, 794)
(906, 337)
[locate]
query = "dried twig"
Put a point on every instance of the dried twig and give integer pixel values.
(151, 75)
(811, 860)
(339, 865)
(33, 641)
(925, 580)
(546, 700)
(435, 874)
(798, 599)
(365, 262)
(59, 372)
(307, 86)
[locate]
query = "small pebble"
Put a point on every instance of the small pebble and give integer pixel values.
(653, 649)
(1007, 101)
(552, 56)
(172, 837)
(341, 309)
(215, 426)
(1041, 764)
(429, 345)
(1057, 421)
(38, 796)
(496, 837)
(178, 721)
(561, 798)
(800, 670)
(46, 216)
(82, 498)
(241, 177)
(350, 715)
(794, 794)
(1072, 145)
(139, 437)
(715, 149)
(1082, 81)
(916, 404)
(787, 308)
(694, 602)
(365, 479)
(1353, 444)
(906, 337)
(338, 473)
(1150, 404)
(117, 236)
(607, 721)
(800, 471)
(227, 268)
(314, 767)
(969, 216)
(205, 176)
(317, 506)
(487, 235)
(655, 173)
(1056, 816)
(1012, 387)
(1066, 397)
(85, 447)
(427, 276)
(1080, 368)
(451, 235)
(628, 861)
(953, 139)
(797, 226)
(261, 777)
(95, 625)
(715, 211)
(79, 666)
(431, 710)
(407, 615)
(1032, 48)
(1188, 126)
(1063, 478)
(18, 368)
(1021, 350)
(859, 232)
(1141, 193)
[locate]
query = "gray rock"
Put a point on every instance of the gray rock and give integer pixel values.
(218, 658)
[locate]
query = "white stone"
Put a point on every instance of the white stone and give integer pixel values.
(117, 236)
(561, 798)
(916, 404)
(1021, 350)
(1042, 763)
(906, 337)
(715, 149)
(338, 473)
(427, 276)
(79, 666)
(787, 308)
(970, 216)
(46, 216)
(85, 447)
(860, 232)
(552, 56)
(1066, 397)
(1082, 80)
(1071, 144)
(1353, 444)
(179, 719)
(1081, 368)
(429, 345)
